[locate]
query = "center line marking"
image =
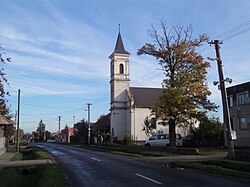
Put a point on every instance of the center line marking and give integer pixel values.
(96, 159)
(152, 180)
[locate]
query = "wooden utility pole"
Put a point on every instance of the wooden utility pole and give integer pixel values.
(59, 123)
(89, 123)
(226, 114)
(18, 118)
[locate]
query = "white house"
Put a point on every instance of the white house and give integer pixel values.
(130, 105)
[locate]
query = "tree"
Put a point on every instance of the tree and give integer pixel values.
(209, 133)
(81, 132)
(101, 129)
(9, 131)
(47, 135)
(185, 87)
(102, 126)
(41, 131)
(4, 109)
(149, 125)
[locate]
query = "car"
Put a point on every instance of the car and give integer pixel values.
(51, 140)
(162, 140)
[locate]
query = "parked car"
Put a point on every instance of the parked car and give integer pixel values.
(162, 140)
(51, 140)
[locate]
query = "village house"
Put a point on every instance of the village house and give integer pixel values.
(239, 107)
(3, 140)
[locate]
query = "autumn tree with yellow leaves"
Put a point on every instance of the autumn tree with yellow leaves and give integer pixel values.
(185, 86)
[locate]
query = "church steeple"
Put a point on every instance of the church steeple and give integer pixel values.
(119, 86)
(119, 47)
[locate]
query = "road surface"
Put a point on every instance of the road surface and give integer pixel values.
(92, 168)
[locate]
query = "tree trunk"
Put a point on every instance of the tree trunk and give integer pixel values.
(172, 134)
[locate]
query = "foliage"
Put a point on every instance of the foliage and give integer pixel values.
(149, 125)
(43, 175)
(30, 153)
(47, 135)
(218, 167)
(4, 109)
(210, 129)
(41, 131)
(9, 131)
(34, 136)
(102, 126)
(127, 140)
(81, 132)
(185, 88)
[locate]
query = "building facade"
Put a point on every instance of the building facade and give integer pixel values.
(239, 107)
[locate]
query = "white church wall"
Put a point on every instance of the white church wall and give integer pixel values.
(119, 123)
(140, 114)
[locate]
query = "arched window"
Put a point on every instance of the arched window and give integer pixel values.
(121, 69)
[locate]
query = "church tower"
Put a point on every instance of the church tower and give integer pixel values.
(119, 85)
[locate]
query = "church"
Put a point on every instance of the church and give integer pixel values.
(129, 106)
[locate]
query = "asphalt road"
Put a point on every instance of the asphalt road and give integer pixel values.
(92, 168)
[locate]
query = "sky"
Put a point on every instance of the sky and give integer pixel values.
(60, 49)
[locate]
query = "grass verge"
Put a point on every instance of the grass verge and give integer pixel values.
(134, 151)
(39, 176)
(219, 167)
(30, 153)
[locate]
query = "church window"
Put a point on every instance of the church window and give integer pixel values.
(121, 69)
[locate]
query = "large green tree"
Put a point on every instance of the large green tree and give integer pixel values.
(185, 88)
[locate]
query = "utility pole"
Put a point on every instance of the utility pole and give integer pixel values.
(59, 123)
(73, 121)
(18, 119)
(226, 114)
(89, 123)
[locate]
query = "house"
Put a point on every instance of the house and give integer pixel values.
(239, 107)
(130, 106)
(3, 124)
(67, 134)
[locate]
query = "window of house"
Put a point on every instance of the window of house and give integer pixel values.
(245, 123)
(121, 69)
(230, 101)
(242, 98)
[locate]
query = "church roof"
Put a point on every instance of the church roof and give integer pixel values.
(145, 97)
(119, 47)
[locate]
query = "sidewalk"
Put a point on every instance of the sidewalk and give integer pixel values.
(5, 160)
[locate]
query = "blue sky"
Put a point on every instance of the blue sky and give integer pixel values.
(60, 50)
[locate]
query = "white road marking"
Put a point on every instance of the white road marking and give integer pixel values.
(96, 159)
(152, 180)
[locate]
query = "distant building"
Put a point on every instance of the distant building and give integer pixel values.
(67, 134)
(130, 106)
(239, 107)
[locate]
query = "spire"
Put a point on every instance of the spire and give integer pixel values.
(119, 47)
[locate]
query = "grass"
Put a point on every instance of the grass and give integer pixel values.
(219, 167)
(39, 176)
(30, 153)
(135, 151)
